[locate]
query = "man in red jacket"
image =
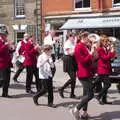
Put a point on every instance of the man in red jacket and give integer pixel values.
(20, 52)
(31, 53)
(5, 63)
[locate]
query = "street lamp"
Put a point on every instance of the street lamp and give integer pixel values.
(38, 14)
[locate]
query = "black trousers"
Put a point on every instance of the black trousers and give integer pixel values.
(47, 86)
(32, 70)
(5, 76)
(71, 81)
(87, 93)
(106, 85)
(20, 69)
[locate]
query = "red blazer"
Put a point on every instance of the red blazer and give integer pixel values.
(22, 48)
(5, 59)
(30, 54)
(84, 61)
(104, 64)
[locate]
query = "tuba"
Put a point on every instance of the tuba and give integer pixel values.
(93, 37)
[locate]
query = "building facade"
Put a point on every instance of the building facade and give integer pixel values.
(94, 15)
(19, 17)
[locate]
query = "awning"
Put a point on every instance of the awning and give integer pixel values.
(99, 22)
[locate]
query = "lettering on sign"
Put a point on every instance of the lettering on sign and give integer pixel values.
(112, 20)
(80, 21)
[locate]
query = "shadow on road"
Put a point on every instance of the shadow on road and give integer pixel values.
(115, 115)
(22, 95)
(17, 86)
(67, 104)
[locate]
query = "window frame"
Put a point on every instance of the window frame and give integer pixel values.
(18, 7)
(82, 8)
(117, 5)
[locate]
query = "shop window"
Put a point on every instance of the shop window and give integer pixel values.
(82, 4)
(20, 36)
(19, 8)
(116, 3)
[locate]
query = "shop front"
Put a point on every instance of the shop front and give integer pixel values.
(109, 25)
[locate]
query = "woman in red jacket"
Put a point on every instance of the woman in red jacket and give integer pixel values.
(84, 57)
(105, 53)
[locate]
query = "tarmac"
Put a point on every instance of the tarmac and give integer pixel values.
(21, 106)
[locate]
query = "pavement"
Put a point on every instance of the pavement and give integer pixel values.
(21, 106)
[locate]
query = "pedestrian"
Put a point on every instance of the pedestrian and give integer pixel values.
(44, 64)
(105, 52)
(69, 65)
(19, 53)
(5, 64)
(31, 53)
(84, 56)
(49, 40)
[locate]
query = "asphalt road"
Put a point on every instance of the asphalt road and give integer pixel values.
(21, 106)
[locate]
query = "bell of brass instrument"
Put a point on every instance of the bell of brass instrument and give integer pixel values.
(112, 41)
(93, 37)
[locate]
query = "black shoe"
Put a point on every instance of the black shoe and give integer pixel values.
(84, 117)
(73, 96)
(61, 93)
(6, 96)
(101, 102)
(30, 92)
(51, 105)
(33, 83)
(15, 80)
(97, 97)
(106, 102)
(35, 100)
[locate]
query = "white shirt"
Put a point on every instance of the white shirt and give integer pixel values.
(68, 45)
(49, 41)
(18, 47)
(44, 64)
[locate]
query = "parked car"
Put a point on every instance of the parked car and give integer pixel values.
(115, 63)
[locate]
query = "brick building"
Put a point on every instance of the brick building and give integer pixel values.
(94, 15)
(18, 16)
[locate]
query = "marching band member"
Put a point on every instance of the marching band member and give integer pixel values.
(69, 65)
(5, 64)
(105, 53)
(84, 57)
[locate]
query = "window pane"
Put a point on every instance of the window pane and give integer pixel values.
(86, 3)
(78, 4)
(116, 1)
(19, 7)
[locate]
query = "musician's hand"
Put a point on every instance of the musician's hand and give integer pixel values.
(37, 46)
(112, 49)
(6, 43)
